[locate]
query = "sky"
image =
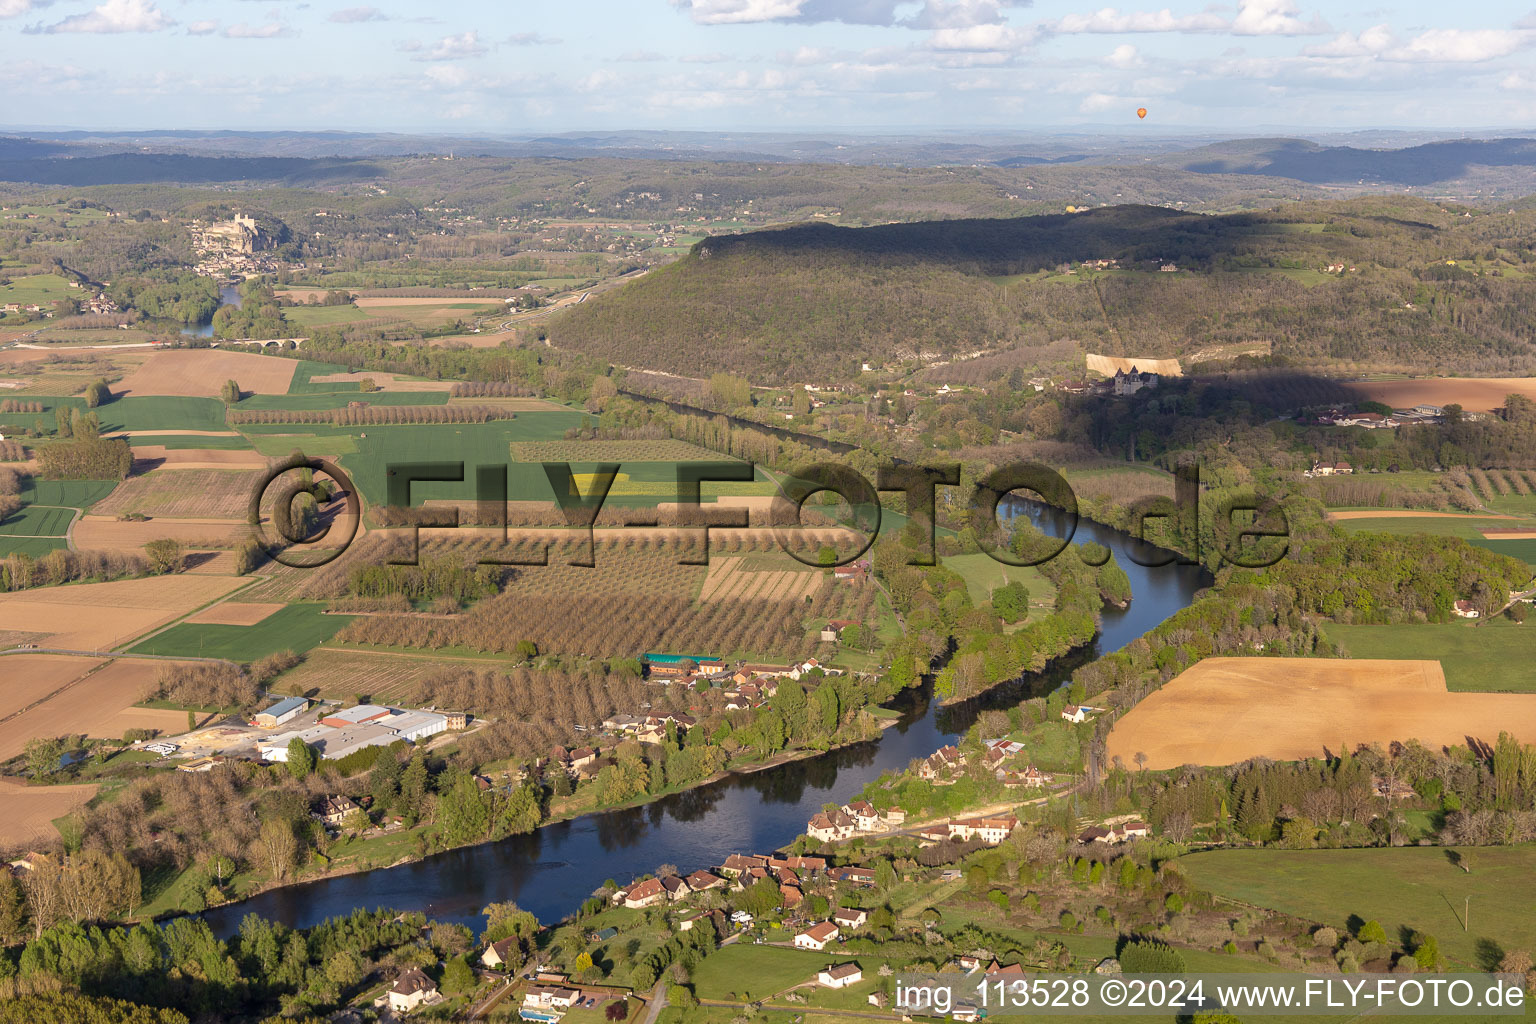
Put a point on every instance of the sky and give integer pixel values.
(514, 66)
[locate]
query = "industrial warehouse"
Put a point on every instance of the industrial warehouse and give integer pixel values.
(366, 725)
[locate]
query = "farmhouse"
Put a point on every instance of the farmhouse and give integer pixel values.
(644, 894)
(817, 936)
(335, 810)
(839, 976)
(830, 827)
(991, 830)
(412, 989)
(1465, 610)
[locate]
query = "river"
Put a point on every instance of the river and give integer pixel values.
(229, 295)
(553, 869)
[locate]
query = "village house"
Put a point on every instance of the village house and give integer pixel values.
(1076, 713)
(738, 864)
(941, 762)
(865, 817)
(855, 876)
(1030, 778)
(501, 954)
(1465, 610)
(792, 895)
(817, 936)
(686, 922)
(839, 976)
(931, 834)
(675, 888)
(853, 572)
(643, 894)
(581, 757)
(701, 880)
(551, 997)
(412, 989)
(990, 830)
(335, 810)
(851, 918)
(831, 826)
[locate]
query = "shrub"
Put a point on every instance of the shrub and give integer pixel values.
(1325, 937)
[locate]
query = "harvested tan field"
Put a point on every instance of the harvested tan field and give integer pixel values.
(234, 613)
(1228, 710)
(1474, 394)
(1510, 533)
(160, 457)
(482, 340)
(102, 616)
(98, 704)
(200, 373)
(511, 404)
(212, 563)
(759, 507)
(1108, 365)
(383, 381)
(30, 810)
(300, 294)
(196, 493)
(31, 677)
(1402, 513)
(106, 533)
(727, 580)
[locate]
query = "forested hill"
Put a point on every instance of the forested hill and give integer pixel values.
(815, 301)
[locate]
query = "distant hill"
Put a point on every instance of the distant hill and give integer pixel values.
(815, 301)
(1428, 164)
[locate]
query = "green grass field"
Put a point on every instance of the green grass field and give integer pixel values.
(756, 971)
(324, 316)
(39, 289)
(150, 412)
(1410, 888)
(38, 521)
(33, 547)
(339, 398)
(1495, 656)
(174, 441)
(366, 459)
(68, 493)
(983, 574)
(1468, 528)
(297, 627)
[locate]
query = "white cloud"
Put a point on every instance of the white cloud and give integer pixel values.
(354, 15)
(1460, 46)
(271, 30)
(1123, 56)
(1274, 18)
(1374, 40)
(1518, 81)
(202, 28)
(705, 58)
(982, 38)
(1111, 21)
(449, 76)
(734, 12)
(457, 47)
(531, 39)
(116, 16)
(12, 8)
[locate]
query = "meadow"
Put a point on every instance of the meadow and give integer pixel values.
(1493, 657)
(1406, 889)
(38, 290)
(983, 574)
(298, 627)
(324, 316)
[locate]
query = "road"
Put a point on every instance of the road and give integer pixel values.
(658, 1002)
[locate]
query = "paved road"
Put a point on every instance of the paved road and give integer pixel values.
(658, 1002)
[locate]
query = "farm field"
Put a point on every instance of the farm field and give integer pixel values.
(1352, 514)
(661, 450)
(200, 373)
(751, 972)
(107, 533)
(37, 521)
(37, 290)
(1229, 710)
(339, 398)
(101, 616)
(31, 677)
(98, 704)
(204, 448)
(1503, 534)
(341, 674)
(296, 627)
(68, 493)
(341, 379)
(1475, 394)
(147, 457)
(732, 578)
(236, 613)
(161, 414)
(431, 312)
(323, 316)
(199, 493)
(30, 810)
(1413, 888)
(1108, 365)
(1492, 658)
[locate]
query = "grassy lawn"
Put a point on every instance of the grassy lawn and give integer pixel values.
(160, 412)
(983, 574)
(38, 290)
(1495, 656)
(1406, 889)
(752, 971)
(297, 627)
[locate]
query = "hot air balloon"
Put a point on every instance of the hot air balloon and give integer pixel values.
(1141, 112)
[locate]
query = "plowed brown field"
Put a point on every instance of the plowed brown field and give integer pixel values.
(200, 373)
